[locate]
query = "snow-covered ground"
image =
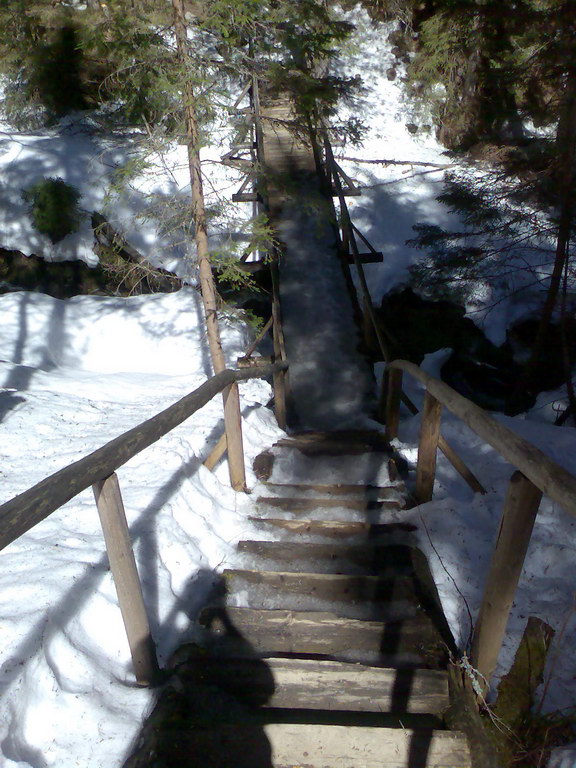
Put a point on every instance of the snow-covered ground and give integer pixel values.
(76, 373)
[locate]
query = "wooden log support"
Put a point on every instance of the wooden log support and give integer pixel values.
(460, 466)
(234, 442)
(126, 579)
(390, 401)
(429, 436)
(280, 383)
(520, 509)
(216, 453)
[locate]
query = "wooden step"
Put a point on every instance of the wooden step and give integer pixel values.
(371, 492)
(335, 528)
(333, 558)
(299, 504)
(311, 746)
(413, 641)
(333, 447)
(359, 596)
(321, 685)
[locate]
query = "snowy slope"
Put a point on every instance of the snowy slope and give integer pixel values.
(74, 375)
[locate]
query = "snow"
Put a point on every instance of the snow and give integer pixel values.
(74, 374)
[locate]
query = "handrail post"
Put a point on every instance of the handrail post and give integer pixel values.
(123, 566)
(392, 391)
(234, 442)
(279, 379)
(427, 447)
(518, 516)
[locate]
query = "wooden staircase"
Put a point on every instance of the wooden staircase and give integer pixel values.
(329, 649)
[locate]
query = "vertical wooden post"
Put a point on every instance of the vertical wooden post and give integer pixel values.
(520, 509)
(234, 442)
(279, 350)
(427, 447)
(392, 391)
(126, 579)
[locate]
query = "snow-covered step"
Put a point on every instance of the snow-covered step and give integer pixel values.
(337, 443)
(394, 491)
(356, 596)
(413, 641)
(338, 529)
(368, 514)
(300, 504)
(321, 685)
(287, 745)
(329, 558)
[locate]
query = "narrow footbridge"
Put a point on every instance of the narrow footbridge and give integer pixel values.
(326, 645)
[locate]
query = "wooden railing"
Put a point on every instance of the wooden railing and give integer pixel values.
(98, 470)
(365, 309)
(536, 474)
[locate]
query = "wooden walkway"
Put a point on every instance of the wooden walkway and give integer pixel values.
(328, 650)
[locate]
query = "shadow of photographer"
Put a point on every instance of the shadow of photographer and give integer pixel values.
(207, 712)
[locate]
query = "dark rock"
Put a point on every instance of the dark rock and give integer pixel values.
(391, 73)
(412, 128)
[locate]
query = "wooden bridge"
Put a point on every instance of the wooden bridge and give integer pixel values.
(328, 648)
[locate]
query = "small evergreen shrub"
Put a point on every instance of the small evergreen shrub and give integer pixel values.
(53, 207)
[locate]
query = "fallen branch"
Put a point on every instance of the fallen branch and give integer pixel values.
(397, 162)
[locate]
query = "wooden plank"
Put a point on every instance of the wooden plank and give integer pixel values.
(427, 448)
(374, 557)
(399, 593)
(392, 387)
(216, 453)
(284, 745)
(325, 685)
(244, 631)
(126, 580)
(335, 528)
(370, 257)
(378, 492)
(518, 517)
(31, 507)
(463, 470)
(305, 504)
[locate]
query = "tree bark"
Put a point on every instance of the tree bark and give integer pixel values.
(207, 286)
(566, 144)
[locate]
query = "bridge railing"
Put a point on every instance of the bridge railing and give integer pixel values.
(536, 475)
(98, 470)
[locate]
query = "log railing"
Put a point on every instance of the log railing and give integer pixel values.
(385, 340)
(536, 475)
(98, 470)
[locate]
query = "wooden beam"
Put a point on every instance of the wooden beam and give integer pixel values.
(392, 384)
(216, 453)
(429, 435)
(518, 517)
(552, 479)
(123, 566)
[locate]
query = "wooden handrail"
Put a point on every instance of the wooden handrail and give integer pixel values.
(536, 474)
(31, 507)
(349, 241)
(552, 479)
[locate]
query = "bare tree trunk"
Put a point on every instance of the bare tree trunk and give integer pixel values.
(209, 297)
(566, 143)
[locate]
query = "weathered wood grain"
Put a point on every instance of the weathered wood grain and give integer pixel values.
(326, 685)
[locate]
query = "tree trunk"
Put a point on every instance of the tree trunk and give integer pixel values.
(566, 144)
(207, 287)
